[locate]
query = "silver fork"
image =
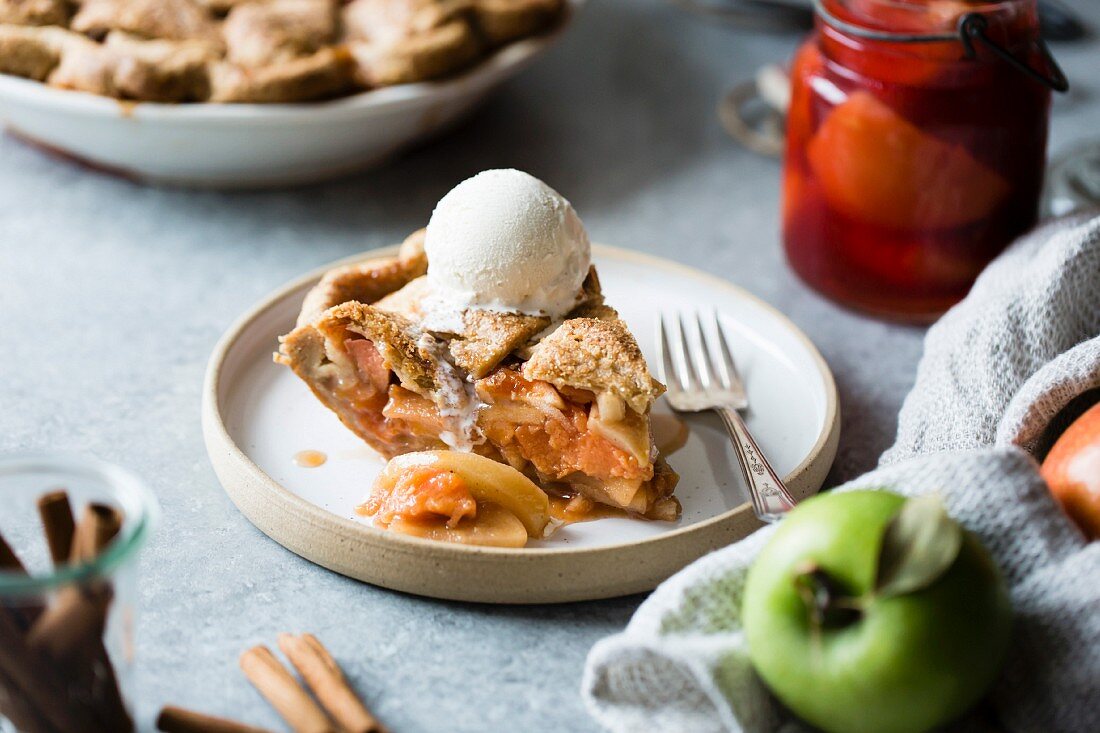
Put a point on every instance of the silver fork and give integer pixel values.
(708, 380)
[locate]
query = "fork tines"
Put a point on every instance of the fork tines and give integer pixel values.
(697, 362)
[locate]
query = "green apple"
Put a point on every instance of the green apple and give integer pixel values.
(868, 612)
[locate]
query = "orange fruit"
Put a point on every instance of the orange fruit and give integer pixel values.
(1072, 471)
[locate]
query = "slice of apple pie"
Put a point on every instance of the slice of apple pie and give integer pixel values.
(563, 398)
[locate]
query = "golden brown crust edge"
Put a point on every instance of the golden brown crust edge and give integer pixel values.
(366, 282)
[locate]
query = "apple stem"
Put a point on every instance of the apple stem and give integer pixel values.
(827, 602)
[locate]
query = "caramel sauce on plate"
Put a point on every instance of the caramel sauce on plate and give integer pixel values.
(309, 458)
(573, 509)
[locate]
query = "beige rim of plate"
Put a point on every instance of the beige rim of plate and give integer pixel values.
(483, 574)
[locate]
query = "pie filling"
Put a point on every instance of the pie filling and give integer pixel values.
(582, 448)
(458, 497)
(425, 494)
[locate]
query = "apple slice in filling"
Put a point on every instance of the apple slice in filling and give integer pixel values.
(493, 527)
(575, 439)
(458, 497)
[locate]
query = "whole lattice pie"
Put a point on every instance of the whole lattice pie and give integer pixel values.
(255, 50)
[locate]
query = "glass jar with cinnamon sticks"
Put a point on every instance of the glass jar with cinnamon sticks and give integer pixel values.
(70, 532)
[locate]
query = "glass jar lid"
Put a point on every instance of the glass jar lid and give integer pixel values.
(970, 30)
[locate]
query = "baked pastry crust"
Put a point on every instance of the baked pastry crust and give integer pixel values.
(368, 282)
(35, 12)
(259, 34)
(130, 66)
(598, 354)
(325, 74)
(430, 54)
(173, 20)
(255, 50)
(488, 338)
(32, 52)
(566, 402)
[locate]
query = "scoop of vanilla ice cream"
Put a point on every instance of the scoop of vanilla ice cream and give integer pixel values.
(505, 241)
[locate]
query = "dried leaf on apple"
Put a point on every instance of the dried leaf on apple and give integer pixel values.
(918, 546)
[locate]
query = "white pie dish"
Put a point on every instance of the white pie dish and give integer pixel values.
(257, 415)
(254, 145)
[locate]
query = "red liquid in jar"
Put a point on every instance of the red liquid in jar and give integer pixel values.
(909, 166)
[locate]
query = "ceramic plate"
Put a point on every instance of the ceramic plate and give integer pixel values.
(258, 416)
(253, 145)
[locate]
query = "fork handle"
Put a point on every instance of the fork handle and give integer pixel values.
(770, 498)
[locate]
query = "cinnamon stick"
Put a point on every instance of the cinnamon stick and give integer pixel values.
(70, 630)
(98, 526)
(79, 641)
(15, 706)
(27, 614)
(57, 519)
(111, 708)
(40, 684)
(73, 626)
(279, 687)
(14, 702)
(178, 720)
(323, 675)
(8, 559)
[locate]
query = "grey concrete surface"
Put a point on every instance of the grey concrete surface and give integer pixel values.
(112, 295)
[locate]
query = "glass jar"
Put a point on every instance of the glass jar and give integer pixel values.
(916, 140)
(67, 609)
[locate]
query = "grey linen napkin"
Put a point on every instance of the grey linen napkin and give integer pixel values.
(996, 370)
